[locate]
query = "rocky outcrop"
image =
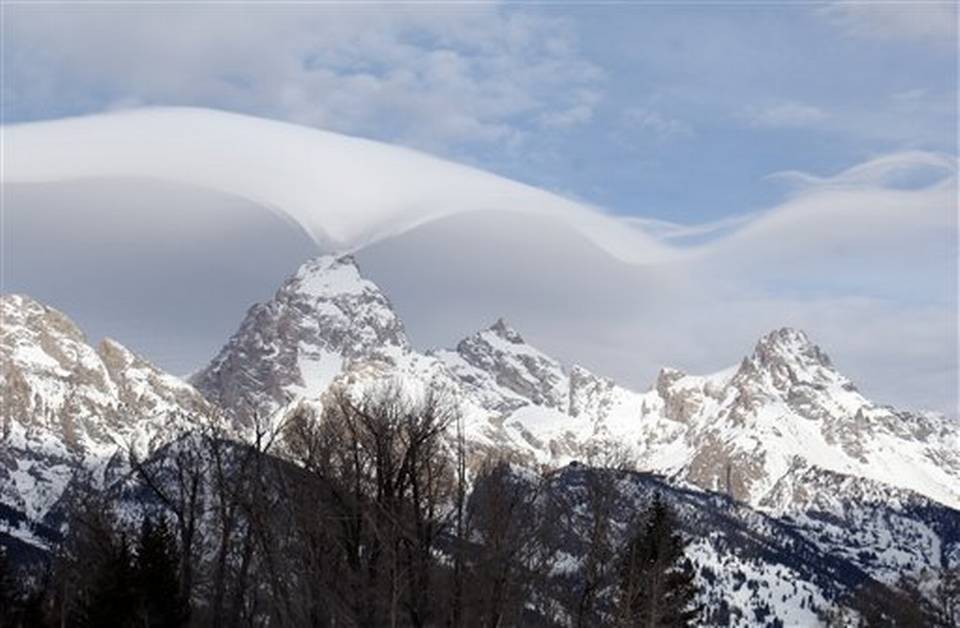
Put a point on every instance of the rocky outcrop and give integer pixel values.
(737, 431)
(69, 409)
(291, 347)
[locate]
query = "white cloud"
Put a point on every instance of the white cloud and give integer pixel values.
(365, 190)
(426, 75)
(886, 170)
(580, 112)
(864, 259)
(675, 232)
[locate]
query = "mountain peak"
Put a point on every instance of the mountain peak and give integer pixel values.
(789, 345)
(786, 364)
(503, 330)
(19, 311)
(292, 346)
(329, 276)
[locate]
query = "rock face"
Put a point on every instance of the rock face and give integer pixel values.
(739, 431)
(320, 320)
(70, 409)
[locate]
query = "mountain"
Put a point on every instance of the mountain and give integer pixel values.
(758, 569)
(321, 320)
(762, 431)
(797, 490)
(71, 411)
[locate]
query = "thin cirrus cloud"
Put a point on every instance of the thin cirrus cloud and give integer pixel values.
(858, 258)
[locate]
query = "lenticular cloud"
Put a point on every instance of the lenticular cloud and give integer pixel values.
(863, 259)
(345, 192)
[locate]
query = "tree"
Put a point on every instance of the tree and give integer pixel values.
(657, 585)
(176, 476)
(8, 591)
(948, 596)
(515, 544)
(386, 483)
(590, 519)
(159, 600)
(109, 599)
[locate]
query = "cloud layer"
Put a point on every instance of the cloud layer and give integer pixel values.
(345, 192)
(864, 258)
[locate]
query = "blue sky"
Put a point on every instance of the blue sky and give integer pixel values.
(678, 112)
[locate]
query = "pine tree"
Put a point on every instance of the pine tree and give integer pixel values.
(159, 603)
(109, 598)
(657, 585)
(7, 590)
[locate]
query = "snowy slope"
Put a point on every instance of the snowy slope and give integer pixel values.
(72, 411)
(828, 489)
(744, 431)
(321, 320)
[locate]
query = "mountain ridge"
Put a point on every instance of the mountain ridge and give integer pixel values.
(737, 431)
(748, 455)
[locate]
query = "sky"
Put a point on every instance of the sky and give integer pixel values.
(714, 128)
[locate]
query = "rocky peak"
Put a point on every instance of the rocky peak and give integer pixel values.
(293, 346)
(503, 330)
(66, 406)
(666, 378)
(515, 365)
(786, 359)
(144, 388)
(39, 343)
(786, 345)
(21, 312)
(356, 317)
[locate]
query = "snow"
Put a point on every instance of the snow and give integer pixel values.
(317, 370)
(327, 276)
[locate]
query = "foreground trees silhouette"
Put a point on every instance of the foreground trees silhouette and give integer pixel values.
(371, 514)
(656, 579)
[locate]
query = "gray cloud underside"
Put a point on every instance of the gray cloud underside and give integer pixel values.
(864, 259)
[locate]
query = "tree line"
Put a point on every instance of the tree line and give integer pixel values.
(375, 513)
(378, 513)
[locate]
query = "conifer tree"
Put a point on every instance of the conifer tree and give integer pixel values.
(657, 587)
(109, 599)
(7, 591)
(159, 603)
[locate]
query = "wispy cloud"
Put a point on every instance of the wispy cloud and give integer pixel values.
(890, 171)
(690, 233)
(787, 114)
(427, 76)
(652, 122)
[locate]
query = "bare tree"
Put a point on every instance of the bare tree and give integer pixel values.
(176, 477)
(515, 552)
(381, 463)
(588, 513)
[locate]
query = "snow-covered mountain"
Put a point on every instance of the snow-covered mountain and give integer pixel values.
(829, 490)
(767, 431)
(322, 319)
(72, 411)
